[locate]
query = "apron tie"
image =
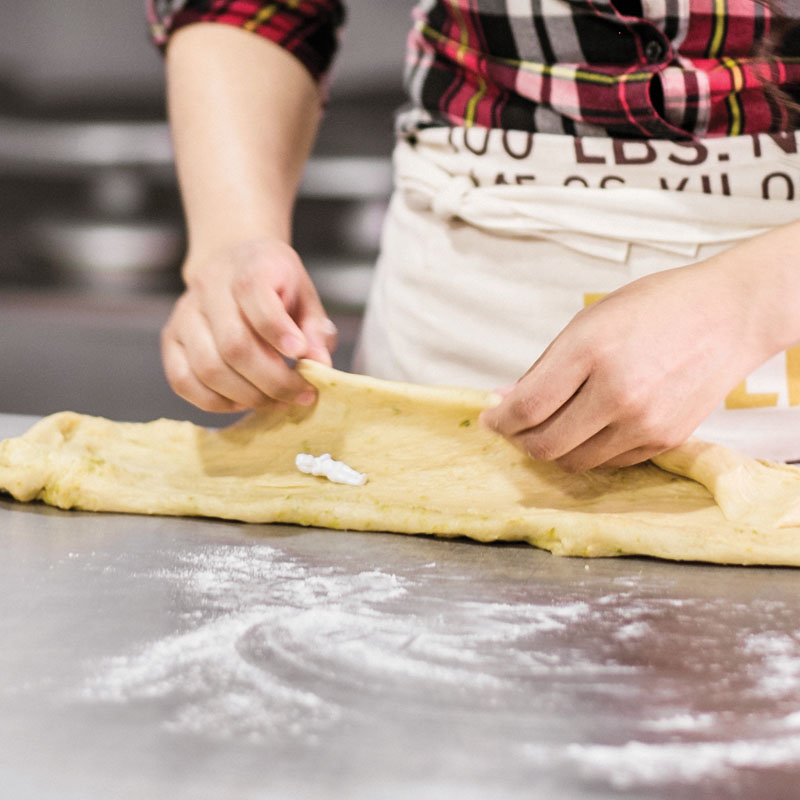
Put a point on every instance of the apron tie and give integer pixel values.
(599, 222)
(449, 199)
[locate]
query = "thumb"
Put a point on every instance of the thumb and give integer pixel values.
(319, 330)
(321, 335)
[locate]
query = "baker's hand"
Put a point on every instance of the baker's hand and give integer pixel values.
(241, 312)
(633, 375)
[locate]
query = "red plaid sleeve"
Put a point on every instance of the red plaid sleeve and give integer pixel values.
(306, 28)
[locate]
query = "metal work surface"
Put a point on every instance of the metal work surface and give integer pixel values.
(181, 658)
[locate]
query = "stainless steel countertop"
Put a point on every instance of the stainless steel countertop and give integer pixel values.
(153, 657)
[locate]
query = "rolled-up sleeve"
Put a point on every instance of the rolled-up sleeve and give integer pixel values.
(309, 29)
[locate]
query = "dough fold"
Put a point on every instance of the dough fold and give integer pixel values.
(431, 467)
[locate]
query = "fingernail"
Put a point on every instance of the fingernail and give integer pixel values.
(322, 355)
(306, 398)
(504, 391)
(292, 346)
(494, 399)
(328, 327)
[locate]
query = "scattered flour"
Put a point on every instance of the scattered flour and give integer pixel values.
(273, 646)
(681, 723)
(270, 646)
(776, 672)
(637, 764)
(791, 720)
(633, 630)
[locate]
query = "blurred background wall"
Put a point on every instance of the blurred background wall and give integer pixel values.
(91, 234)
(76, 46)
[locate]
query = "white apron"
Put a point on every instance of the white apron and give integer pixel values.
(494, 240)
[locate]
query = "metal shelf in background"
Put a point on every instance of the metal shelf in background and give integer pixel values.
(55, 149)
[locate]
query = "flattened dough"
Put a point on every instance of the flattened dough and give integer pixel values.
(432, 469)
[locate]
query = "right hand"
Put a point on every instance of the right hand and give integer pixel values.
(241, 313)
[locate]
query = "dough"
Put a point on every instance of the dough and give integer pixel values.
(431, 467)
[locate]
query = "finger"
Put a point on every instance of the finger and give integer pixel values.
(319, 330)
(573, 424)
(286, 314)
(537, 395)
(261, 365)
(635, 456)
(247, 355)
(186, 385)
(610, 447)
(191, 330)
(321, 335)
(267, 315)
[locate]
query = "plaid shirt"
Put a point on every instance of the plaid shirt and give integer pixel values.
(627, 68)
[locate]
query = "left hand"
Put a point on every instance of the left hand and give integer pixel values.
(633, 375)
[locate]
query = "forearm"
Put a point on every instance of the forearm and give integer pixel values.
(244, 114)
(766, 288)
